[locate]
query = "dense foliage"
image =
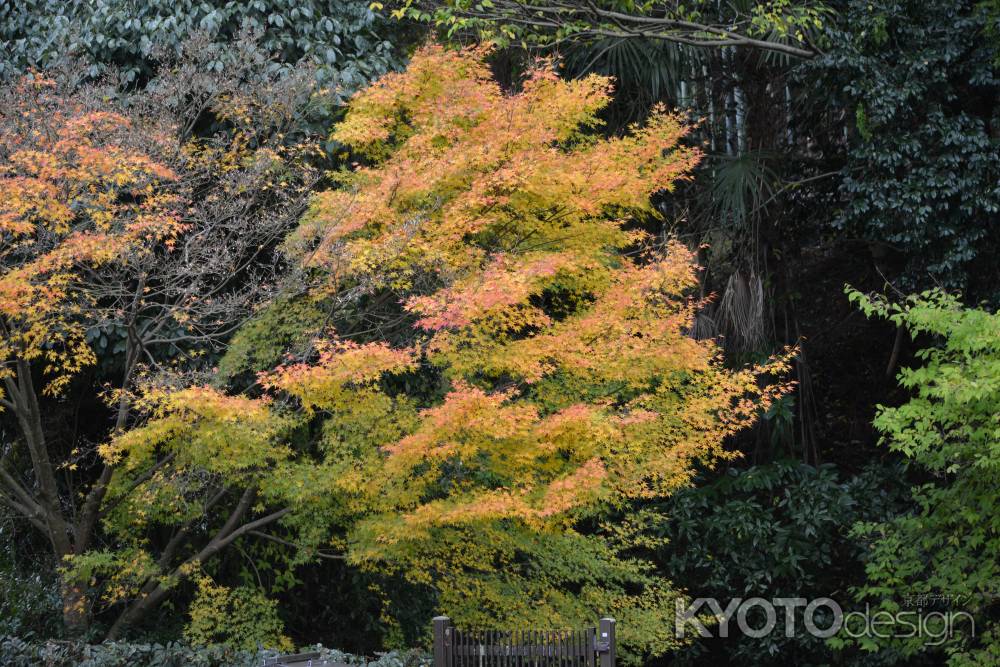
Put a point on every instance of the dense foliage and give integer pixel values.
(783, 529)
(344, 39)
(18, 653)
(947, 546)
(921, 175)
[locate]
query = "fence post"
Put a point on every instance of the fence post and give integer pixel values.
(606, 642)
(441, 624)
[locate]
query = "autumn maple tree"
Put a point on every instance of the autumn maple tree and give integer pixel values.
(76, 198)
(129, 252)
(504, 361)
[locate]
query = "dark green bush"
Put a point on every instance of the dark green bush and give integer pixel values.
(345, 39)
(919, 80)
(19, 653)
(776, 530)
(29, 595)
(16, 652)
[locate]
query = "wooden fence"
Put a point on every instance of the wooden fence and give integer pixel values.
(589, 647)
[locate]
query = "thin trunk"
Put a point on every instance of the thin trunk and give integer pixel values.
(897, 345)
(21, 392)
(91, 511)
(730, 124)
(710, 95)
(789, 132)
(739, 100)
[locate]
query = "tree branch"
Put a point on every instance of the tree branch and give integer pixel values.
(36, 517)
(555, 15)
(154, 591)
(136, 483)
(275, 538)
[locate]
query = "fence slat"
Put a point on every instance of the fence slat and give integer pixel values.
(524, 647)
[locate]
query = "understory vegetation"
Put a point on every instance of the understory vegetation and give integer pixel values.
(321, 319)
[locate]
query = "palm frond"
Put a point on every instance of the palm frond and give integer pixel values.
(645, 71)
(742, 186)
